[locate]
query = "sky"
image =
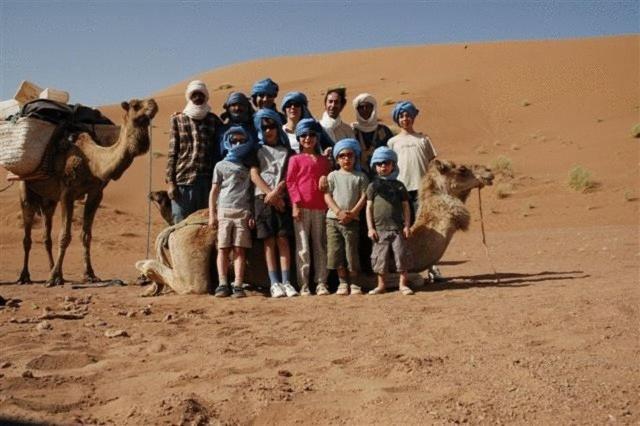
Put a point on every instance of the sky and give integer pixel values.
(103, 52)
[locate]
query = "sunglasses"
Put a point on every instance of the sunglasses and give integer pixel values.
(308, 135)
(237, 141)
(385, 163)
(346, 155)
(269, 126)
(264, 95)
(293, 105)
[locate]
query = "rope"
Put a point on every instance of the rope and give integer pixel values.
(7, 187)
(484, 238)
(149, 191)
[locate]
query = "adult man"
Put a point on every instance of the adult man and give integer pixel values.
(367, 130)
(238, 112)
(193, 152)
(334, 102)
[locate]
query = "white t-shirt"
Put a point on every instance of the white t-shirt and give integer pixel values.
(293, 142)
(415, 151)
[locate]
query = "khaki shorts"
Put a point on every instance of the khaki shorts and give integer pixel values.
(381, 253)
(342, 245)
(233, 228)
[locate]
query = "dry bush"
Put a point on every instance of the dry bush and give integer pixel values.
(502, 166)
(580, 179)
(526, 103)
(504, 190)
(225, 86)
(635, 131)
(388, 101)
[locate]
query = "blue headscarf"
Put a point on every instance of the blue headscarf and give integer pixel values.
(309, 124)
(236, 153)
(272, 115)
(298, 98)
(404, 106)
(350, 144)
(266, 86)
(237, 98)
(385, 153)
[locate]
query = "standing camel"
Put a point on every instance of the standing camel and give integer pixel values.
(81, 169)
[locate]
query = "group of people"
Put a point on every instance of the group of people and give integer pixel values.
(335, 187)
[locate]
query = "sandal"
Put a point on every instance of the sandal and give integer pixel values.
(222, 291)
(377, 291)
(237, 291)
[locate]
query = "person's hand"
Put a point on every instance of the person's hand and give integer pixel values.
(406, 231)
(347, 217)
(213, 221)
(327, 153)
(172, 191)
(373, 235)
(296, 213)
(323, 184)
(274, 199)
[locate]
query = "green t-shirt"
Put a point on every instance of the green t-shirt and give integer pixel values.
(387, 196)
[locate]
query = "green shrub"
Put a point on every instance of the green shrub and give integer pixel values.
(580, 179)
(502, 166)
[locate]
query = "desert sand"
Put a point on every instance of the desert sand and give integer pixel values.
(556, 340)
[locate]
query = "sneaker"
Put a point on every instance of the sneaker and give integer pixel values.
(237, 291)
(321, 290)
(222, 291)
(355, 289)
(289, 290)
(304, 290)
(277, 290)
(343, 289)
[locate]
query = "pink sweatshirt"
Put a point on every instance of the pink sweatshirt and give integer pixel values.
(303, 174)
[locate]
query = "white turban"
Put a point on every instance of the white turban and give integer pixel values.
(371, 123)
(197, 112)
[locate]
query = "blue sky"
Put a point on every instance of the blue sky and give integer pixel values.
(106, 51)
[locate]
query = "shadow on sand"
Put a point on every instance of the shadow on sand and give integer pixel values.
(501, 279)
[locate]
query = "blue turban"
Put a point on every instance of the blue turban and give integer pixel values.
(307, 125)
(298, 98)
(236, 153)
(272, 115)
(236, 98)
(350, 144)
(266, 86)
(404, 106)
(382, 154)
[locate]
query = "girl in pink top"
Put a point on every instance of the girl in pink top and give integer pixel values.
(303, 179)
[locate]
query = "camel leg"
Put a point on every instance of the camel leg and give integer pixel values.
(66, 202)
(90, 209)
(48, 209)
(27, 204)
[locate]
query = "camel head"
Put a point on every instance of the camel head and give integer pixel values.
(447, 177)
(161, 200)
(139, 112)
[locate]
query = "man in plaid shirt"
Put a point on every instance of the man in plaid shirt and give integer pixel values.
(193, 152)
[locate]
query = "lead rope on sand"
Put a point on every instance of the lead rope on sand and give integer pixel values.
(484, 238)
(149, 191)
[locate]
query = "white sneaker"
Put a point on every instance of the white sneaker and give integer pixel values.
(289, 290)
(321, 290)
(305, 291)
(277, 290)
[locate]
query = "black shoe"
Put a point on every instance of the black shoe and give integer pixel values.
(222, 291)
(237, 291)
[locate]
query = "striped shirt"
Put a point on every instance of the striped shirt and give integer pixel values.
(193, 148)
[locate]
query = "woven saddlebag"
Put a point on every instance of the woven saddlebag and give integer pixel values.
(22, 144)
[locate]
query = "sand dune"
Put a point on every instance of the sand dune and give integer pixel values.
(556, 341)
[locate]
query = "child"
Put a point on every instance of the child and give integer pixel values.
(388, 219)
(308, 205)
(273, 216)
(230, 208)
(415, 152)
(346, 196)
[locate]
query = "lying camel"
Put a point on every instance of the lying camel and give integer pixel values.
(184, 250)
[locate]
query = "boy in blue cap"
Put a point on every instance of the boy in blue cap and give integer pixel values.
(388, 219)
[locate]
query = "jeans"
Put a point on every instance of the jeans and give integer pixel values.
(191, 198)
